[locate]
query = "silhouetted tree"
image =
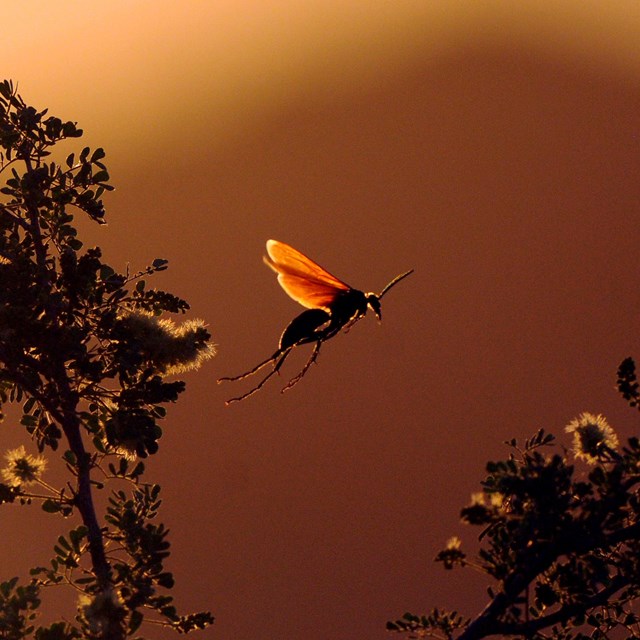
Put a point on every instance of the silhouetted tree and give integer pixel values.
(561, 544)
(86, 352)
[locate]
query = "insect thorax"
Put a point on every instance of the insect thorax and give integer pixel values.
(348, 306)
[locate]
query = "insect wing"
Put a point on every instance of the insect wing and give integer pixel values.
(286, 259)
(301, 278)
(309, 294)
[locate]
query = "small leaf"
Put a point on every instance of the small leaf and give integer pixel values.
(101, 176)
(98, 154)
(137, 471)
(62, 541)
(69, 130)
(28, 421)
(51, 506)
(106, 272)
(135, 621)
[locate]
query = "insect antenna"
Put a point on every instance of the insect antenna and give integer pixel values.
(395, 281)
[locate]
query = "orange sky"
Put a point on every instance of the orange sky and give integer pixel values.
(491, 146)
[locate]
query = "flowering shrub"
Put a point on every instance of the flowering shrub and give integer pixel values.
(86, 351)
(560, 541)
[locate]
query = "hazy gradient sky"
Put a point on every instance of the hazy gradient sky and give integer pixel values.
(492, 146)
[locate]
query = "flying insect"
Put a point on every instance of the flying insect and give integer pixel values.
(332, 306)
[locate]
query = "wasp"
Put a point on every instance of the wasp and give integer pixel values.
(332, 306)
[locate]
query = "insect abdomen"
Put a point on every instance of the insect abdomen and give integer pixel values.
(303, 328)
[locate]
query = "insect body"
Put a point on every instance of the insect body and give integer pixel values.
(331, 305)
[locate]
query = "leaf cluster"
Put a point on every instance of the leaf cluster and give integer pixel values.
(134, 533)
(562, 547)
(85, 352)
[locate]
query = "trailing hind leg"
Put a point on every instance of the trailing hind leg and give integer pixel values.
(312, 358)
(278, 358)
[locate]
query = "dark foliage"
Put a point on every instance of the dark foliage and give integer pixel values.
(84, 352)
(559, 540)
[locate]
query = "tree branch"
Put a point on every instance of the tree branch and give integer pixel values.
(564, 613)
(487, 623)
(65, 414)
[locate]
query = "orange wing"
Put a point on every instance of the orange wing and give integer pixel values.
(301, 278)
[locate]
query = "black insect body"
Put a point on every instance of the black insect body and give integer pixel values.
(332, 306)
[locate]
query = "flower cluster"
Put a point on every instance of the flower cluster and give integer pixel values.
(102, 612)
(593, 437)
(22, 468)
(452, 554)
(168, 347)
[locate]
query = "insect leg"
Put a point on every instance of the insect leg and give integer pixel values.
(279, 359)
(299, 331)
(310, 326)
(314, 355)
(255, 369)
